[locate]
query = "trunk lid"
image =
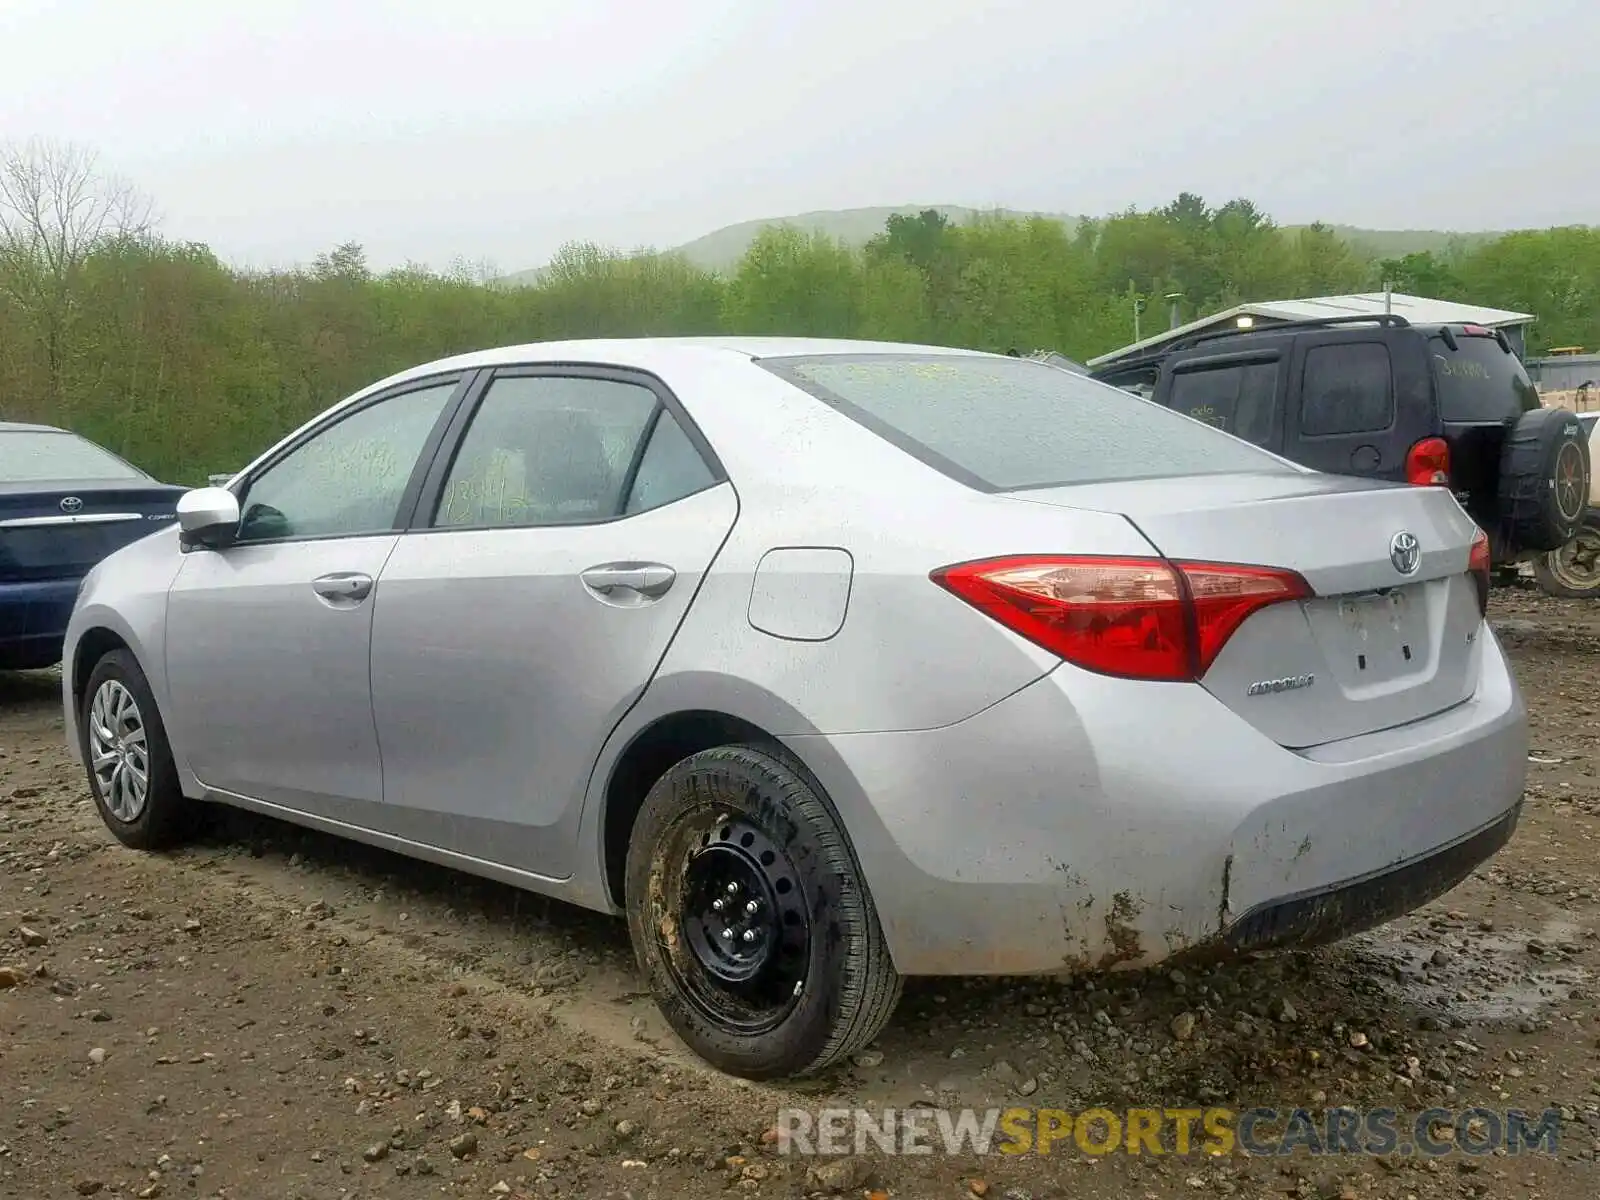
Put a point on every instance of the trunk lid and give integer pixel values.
(1374, 648)
(61, 529)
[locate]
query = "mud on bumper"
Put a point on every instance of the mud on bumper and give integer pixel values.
(1332, 914)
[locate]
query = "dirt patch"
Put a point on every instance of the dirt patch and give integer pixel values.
(271, 1013)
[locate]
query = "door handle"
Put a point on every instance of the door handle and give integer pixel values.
(343, 585)
(648, 579)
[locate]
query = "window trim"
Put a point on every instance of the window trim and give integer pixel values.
(464, 381)
(1389, 391)
(425, 504)
(1236, 358)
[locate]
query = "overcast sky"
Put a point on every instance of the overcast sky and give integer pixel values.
(497, 129)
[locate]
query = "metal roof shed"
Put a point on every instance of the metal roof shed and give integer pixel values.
(1419, 310)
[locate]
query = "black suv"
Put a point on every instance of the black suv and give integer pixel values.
(1431, 405)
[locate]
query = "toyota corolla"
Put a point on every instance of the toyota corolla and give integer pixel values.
(826, 663)
(65, 503)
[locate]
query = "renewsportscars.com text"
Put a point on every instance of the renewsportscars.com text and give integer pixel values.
(1433, 1132)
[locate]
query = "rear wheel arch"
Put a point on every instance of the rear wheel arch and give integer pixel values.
(669, 739)
(653, 751)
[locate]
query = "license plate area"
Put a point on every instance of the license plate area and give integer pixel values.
(1373, 638)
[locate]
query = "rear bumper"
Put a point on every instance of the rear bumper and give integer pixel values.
(1087, 822)
(1328, 914)
(33, 620)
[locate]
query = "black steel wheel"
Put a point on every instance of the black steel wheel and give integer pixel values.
(745, 925)
(750, 920)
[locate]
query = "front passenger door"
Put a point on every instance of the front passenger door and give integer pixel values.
(268, 638)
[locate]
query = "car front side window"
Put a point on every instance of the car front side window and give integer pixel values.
(347, 479)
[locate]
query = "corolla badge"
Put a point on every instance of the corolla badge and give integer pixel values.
(71, 504)
(1271, 687)
(1405, 552)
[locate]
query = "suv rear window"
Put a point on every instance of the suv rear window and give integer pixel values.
(1478, 381)
(1000, 424)
(1346, 388)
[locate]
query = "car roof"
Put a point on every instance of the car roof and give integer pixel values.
(1219, 341)
(662, 353)
(25, 427)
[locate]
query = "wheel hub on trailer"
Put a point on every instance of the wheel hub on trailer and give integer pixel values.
(1577, 563)
(742, 917)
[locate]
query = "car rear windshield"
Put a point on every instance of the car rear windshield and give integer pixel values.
(45, 456)
(1000, 424)
(1479, 380)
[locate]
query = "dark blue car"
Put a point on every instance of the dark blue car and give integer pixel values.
(65, 503)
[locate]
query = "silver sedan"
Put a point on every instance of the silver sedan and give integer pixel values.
(827, 663)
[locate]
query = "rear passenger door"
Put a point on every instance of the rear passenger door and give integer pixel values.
(1356, 404)
(553, 553)
(1238, 393)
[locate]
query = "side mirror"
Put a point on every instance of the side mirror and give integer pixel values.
(208, 516)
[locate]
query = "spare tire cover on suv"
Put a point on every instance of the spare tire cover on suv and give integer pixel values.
(1544, 479)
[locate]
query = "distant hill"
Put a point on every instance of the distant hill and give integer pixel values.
(721, 249)
(1396, 243)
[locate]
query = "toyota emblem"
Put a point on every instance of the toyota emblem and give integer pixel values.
(1405, 552)
(70, 504)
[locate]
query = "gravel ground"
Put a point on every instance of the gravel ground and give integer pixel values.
(272, 1013)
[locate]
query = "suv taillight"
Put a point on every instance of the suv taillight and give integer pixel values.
(1428, 463)
(1137, 618)
(1479, 562)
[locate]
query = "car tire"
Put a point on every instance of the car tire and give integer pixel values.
(1573, 572)
(794, 975)
(1544, 480)
(119, 717)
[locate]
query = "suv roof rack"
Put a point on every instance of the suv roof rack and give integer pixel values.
(1388, 320)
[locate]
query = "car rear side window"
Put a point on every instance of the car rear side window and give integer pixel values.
(1479, 381)
(48, 456)
(1346, 388)
(546, 450)
(561, 450)
(1237, 397)
(670, 469)
(1000, 424)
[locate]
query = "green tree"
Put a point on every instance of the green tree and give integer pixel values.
(189, 366)
(795, 282)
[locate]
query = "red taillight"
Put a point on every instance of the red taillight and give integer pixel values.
(1428, 463)
(1479, 562)
(1139, 618)
(1476, 331)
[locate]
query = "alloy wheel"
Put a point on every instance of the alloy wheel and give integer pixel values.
(119, 753)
